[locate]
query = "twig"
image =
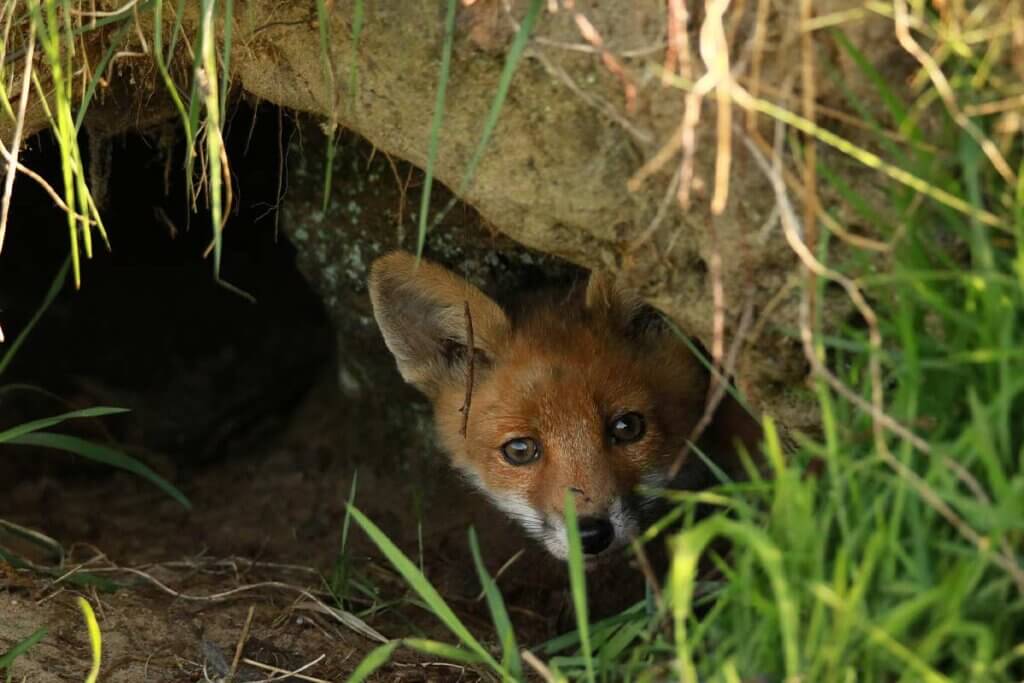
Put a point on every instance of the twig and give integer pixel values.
(660, 158)
(285, 674)
(501, 571)
(718, 61)
(241, 643)
(99, 13)
(831, 223)
(717, 299)
(540, 667)
(809, 87)
(678, 52)
(25, 170)
(659, 216)
(555, 69)
(470, 371)
(347, 619)
(598, 103)
(591, 35)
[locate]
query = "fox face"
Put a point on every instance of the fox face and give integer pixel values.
(582, 390)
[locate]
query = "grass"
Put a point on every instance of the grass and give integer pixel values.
(8, 658)
(34, 432)
(901, 560)
(37, 433)
(95, 639)
(512, 58)
(54, 26)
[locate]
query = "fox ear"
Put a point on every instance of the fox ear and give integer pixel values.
(420, 309)
(623, 306)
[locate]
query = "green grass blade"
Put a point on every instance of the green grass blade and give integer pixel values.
(323, 22)
(377, 658)
(499, 614)
(47, 545)
(436, 648)
(161, 65)
(35, 425)
(340, 575)
(51, 294)
(515, 52)
(889, 98)
(20, 648)
(577, 583)
(214, 141)
(491, 121)
(435, 124)
(102, 454)
(419, 583)
(97, 74)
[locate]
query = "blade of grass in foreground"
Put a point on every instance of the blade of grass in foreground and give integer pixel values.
(415, 578)
(499, 614)
(340, 574)
(436, 648)
(377, 658)
(47, 545)
(687, 549)
(577, 583)
(98, 73)
(35, 425)
(103, 454)
(20, 648)
(51, 294)
(95, 639)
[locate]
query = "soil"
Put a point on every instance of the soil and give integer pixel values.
(274, 515)
(240, 406)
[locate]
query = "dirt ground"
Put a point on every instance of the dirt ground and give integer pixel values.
(238, 405)
(272, 516)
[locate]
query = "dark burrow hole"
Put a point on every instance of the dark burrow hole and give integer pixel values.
(238, 403)
(204, 371)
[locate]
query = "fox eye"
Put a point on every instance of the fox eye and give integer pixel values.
(627, 428)
(520, 451)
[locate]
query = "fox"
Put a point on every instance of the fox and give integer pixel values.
(580, 388)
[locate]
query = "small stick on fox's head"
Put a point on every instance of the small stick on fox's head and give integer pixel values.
(469, 373)
(421, 310)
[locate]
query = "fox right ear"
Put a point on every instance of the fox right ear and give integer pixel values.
(420, 309)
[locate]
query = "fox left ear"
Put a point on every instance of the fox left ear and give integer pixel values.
(623, 306)
(420, 309)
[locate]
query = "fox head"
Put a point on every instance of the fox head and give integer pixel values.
(582, 391)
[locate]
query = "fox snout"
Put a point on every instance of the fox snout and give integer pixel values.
(596, 534)
(601, 530)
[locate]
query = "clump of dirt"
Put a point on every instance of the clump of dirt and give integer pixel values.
(239, 405)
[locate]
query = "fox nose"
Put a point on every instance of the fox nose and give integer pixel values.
(596, 534)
